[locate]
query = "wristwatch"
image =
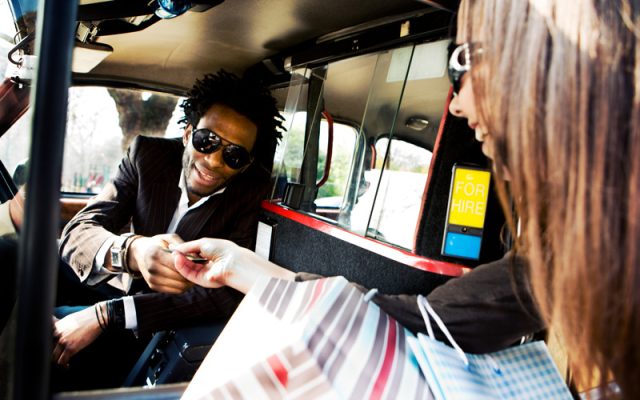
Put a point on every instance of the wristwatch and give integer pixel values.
(119, 252)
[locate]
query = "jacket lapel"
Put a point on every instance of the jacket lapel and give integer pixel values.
(191, 226)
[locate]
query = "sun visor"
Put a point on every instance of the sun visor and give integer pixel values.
(86, 56)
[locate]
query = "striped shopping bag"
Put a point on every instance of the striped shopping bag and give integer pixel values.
(318, 339)
(524, 372)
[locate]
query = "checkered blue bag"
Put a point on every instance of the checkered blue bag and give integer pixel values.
(521, 372)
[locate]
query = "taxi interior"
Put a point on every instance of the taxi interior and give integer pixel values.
(365, 94)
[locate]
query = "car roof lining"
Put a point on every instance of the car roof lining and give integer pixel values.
(237, 34)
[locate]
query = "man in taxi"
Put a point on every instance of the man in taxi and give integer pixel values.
(208, 183)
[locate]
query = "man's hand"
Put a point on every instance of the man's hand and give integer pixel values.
(149, 257)
(16, 208)
(73, 333)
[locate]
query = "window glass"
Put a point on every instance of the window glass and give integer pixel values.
(288, 157)
(342, 150)
(14, 147)
(7, 32)
(378, 117)
(400, 190)
(15, 143)
(330, 193)
(393, 102)
(101, 123)
(7, 28)
(100, 127)
(294, 154)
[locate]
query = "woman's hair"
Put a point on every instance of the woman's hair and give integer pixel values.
(248, 98)
(558, 85)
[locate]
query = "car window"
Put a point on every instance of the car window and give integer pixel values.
(377, 178)
(7, 31)
(101, 124)
(400, 190)
(343, 147)
(330, 193)
(14, 145)
(7, 26)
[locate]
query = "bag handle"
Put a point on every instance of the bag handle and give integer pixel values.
(426, 310)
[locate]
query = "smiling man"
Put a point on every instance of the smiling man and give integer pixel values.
(204, 166)
(210, 182)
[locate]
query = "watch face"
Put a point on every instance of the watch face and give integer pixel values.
(116, 259)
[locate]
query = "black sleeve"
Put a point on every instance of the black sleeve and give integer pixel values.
(161, 311)
(8, 284)
(486, 310)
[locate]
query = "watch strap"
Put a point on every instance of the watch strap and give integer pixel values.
(125, 255)
(119, 252)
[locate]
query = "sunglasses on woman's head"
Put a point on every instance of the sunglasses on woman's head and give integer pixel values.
(459, 63)
(207, 142)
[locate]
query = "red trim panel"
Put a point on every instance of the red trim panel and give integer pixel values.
(383, 249)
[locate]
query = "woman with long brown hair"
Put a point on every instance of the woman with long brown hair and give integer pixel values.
(553, 91)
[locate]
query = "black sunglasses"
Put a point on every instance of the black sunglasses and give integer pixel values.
(459, 63)
(207, 142)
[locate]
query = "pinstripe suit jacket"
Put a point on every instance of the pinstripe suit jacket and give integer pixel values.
(145, 191)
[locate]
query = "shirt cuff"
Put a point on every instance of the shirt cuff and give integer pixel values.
(130, 316)
(99, 273)
(98, 262)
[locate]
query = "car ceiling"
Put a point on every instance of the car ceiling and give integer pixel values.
(233, 35)
(238, 34)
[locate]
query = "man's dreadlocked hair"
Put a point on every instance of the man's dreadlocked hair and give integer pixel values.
(244, 96)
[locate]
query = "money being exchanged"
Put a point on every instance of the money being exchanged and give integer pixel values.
(191, 257)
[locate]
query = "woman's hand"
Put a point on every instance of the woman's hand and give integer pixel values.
(73, 333)
(222, 256)
(229, 264)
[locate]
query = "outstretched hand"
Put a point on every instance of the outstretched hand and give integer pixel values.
(220, 253)
(229, 264)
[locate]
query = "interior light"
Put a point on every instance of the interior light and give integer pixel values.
(417, 123)
(172, 8)
(425, 61)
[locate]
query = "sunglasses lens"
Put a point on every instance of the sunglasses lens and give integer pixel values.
(458, 64)
(452, 78)
(235, 156)
(205, 141)
(456, 80)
